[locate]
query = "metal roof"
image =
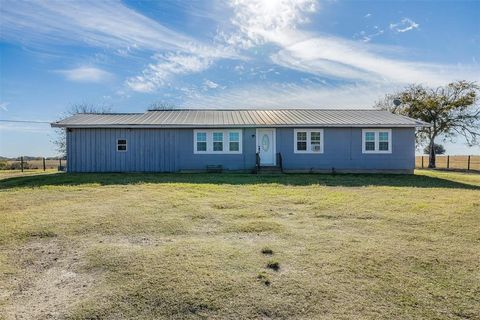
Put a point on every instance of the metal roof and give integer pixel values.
(216, 118)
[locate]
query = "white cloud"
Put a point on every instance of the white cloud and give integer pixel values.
(239, 68)
(109, 24)
(209, 84)
(261, 21)
(368, 15)
(86, 74)
(277, 23)
(291, 96)
(157, 74)
(367, 37)
(4, 105)
(404, 25)
(352, 60)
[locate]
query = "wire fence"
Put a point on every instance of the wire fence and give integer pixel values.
(469, 163)
(44, 164)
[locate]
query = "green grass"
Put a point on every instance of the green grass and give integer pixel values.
(194, 246)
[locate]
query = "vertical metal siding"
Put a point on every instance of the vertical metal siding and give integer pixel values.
(148, 150)
(170, 150)
(69, 148)
(343, 150)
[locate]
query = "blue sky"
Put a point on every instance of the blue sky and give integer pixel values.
(222, 54)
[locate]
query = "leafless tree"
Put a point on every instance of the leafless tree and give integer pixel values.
(60, 139)
(160, 106)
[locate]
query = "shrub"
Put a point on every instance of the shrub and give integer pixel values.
(17, 165)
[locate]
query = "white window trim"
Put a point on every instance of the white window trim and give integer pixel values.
(377, 141)
(226, 141)
(126, 145)
(309, 140)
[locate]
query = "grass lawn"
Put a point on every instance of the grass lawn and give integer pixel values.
(4, 174)
(235, 246)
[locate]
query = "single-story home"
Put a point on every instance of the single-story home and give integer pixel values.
(291, 140)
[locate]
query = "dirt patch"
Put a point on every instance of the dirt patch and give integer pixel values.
(135, 240)
(50, 280)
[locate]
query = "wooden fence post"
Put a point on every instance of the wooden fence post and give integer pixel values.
(468, 164)
(44, 164)
(21, 163)
(60, 166)
(422, 162)
(448, 162)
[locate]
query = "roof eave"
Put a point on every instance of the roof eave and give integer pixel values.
(185, 126)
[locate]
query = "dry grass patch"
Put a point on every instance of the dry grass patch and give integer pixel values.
(116, 246)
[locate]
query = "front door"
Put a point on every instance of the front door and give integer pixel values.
(266, 146)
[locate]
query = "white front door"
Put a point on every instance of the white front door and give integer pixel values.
(266, 146)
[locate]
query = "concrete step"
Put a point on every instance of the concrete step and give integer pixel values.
(270, 170)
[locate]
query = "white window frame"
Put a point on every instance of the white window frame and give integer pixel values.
(226, 141)
(377, 141)
(222, 141)
(121, 144)
(239, 140)
(309, 140)
(195, 141)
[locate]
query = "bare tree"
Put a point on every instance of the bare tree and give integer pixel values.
(60, 139)
(451, 110)
(161, 106)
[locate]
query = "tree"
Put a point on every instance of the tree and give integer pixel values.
(439, 149)
(60, 139)
(451, 110)
(161, 106)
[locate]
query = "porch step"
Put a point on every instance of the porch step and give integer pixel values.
(270, 169)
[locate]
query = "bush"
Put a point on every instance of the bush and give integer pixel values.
(439, 149)
(16, 165)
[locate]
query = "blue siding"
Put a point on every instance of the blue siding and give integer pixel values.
(343, 151)
(170, 150)
(149, 150)
(191, 161)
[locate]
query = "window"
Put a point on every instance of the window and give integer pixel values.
(121, 145)
(370, 141)
(221, 141)
(218, 141)
(383, 144)
(308, 141)
(315, 141)
(301, 141)
(234, 141)
(377, 141)
(201, 141)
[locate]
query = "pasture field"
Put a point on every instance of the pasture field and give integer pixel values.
(240, 246)
(451, 162)
(50, 164)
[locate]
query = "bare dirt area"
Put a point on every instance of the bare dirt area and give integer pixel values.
(52, 279)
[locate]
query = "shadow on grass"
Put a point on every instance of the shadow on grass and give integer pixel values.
(344, 180)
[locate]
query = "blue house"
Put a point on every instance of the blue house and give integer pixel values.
(291, 140)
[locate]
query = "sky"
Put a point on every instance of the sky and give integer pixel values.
(128, 55)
